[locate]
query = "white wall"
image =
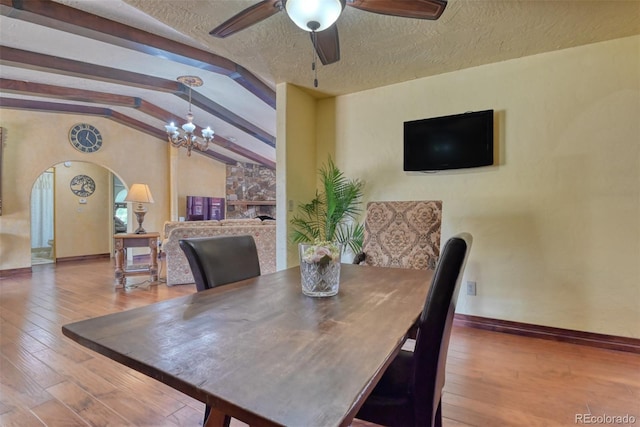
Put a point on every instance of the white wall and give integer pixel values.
(557, 222)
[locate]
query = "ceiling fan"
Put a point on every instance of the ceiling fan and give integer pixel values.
(319, 17)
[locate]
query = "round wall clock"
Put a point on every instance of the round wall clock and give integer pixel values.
(85, 137)
(82, 185)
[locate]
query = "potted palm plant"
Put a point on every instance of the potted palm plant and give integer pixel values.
(325, 227)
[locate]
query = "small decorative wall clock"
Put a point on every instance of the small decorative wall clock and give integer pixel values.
(85, 137)
(82, 185)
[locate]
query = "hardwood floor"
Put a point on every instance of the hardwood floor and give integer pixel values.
(493, 379)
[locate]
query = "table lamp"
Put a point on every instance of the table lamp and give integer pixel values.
(139, 193)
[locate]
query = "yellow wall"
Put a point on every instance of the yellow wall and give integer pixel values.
(37, 141)
(556, 223)
(296, 157)
(82, 229)
(199, 176)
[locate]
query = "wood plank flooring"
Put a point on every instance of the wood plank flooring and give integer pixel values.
(493, 379)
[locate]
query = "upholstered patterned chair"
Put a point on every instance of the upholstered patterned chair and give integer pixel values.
(402, 234)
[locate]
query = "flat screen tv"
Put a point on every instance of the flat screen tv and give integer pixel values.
(450, 142)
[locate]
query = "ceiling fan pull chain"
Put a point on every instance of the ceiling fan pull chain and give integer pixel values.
(315, 74)
(314, 68)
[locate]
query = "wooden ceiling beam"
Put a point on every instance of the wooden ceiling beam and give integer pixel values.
(72, 94)
(69, 67)
(143, 127)
(219, 111)
(58, 16)
(56, 107)
(36, 61)
(166, 116)
(66, 93)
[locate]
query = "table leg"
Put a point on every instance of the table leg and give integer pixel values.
(217, 419)
(153, 268)
(119, 247)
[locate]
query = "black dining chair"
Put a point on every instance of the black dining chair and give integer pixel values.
(217, 261)
(410, 391)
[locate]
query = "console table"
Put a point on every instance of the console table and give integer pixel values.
(122, 241)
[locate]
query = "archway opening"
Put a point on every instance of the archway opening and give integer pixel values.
(76, 207)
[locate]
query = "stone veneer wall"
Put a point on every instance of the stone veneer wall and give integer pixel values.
(251, 191)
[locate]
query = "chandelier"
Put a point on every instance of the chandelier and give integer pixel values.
(185, 137)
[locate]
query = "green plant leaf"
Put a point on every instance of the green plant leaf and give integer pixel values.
(331, 215)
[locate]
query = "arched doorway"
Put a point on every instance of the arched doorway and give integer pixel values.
(73, 211)
(42, 219)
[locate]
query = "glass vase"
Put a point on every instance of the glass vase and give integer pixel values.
(320, 269)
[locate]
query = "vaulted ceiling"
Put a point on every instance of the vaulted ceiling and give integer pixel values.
(120, 59)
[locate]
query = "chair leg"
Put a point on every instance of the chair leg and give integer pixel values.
(437, 422)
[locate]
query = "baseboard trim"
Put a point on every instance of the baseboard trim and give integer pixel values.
(611, 342)
(83, 257)
(14, 272)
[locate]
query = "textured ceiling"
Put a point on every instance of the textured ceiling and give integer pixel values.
(378, 50)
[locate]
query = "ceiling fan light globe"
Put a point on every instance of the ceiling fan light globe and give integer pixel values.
(314, 15)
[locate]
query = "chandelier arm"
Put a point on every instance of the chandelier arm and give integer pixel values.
(177, 141)
(203, 146)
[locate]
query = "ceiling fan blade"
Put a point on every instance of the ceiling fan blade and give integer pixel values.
(327, 45)
(420, 9)
(248, 17)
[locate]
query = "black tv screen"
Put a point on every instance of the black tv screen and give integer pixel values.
(449, 142)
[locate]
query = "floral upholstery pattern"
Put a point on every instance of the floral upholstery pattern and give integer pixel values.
(238, 221)
(178, 270)
(403, 234)
(170, 225)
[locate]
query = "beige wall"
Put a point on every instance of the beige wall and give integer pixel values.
(198, 176)
(38, 141)
(82, 228)
(296, 157)
(557, 222)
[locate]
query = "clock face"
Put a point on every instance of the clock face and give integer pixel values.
(85, 138)
(82, 185)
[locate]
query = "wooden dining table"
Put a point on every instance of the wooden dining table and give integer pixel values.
(262, 352)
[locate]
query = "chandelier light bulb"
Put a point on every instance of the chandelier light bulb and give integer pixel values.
(188, 127)
(171, 128)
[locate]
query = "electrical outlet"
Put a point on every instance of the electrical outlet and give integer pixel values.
(471, 287)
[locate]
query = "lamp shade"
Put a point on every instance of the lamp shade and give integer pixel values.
(314, 15)
(139, 193)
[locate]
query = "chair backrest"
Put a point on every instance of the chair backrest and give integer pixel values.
(403, 234)
(434, 328)
(219, 260)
